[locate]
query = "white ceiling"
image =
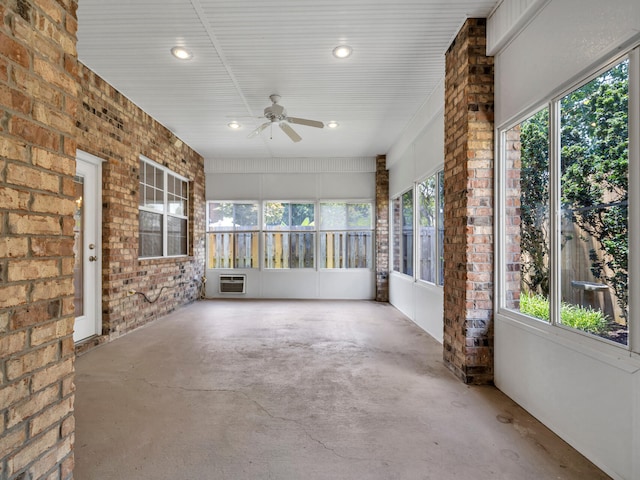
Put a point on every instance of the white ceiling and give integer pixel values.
(245, 50)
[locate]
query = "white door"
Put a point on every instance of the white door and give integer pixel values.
(86, 247)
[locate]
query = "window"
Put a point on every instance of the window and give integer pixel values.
(402, 233)
(571, 269)
(431, 228)
(163, 208)
(527, 228)
(232, 235)
(289, 235)
(346, 235)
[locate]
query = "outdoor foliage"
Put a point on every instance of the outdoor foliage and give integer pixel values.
(594, 181)
(595, 164)
(585, 319)
(534, 202)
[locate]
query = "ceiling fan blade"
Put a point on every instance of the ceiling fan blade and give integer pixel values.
(304, 121)
(258, 130)
(290, 132)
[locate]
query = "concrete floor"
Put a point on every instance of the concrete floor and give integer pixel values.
(298, 390)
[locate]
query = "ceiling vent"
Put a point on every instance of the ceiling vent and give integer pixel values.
(232, 284)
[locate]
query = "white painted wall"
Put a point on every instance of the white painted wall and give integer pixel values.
(300, 179)
(586, 391)
(417, 154)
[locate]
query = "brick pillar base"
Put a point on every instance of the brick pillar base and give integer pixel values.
(382, 229)
(468, 222)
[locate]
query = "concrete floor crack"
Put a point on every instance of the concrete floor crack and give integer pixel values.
(303, 427)
(262, 408)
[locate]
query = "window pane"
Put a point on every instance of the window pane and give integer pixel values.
(220, 216)
(277, 215)
(177, 206)
(159, 180)
(289, 249)
(333, 216)
(232, 250)
(246, 216)
(176, 196)
(246, 250)
(235, 243)
(176, 236)
(594, 196)
(302, 246)
(349, 245)
(220, 250)
(342, 249)
(359, 216)
(427, 224)
(396, 232)
(150, 240)
(276, 250)
(526, 221)
(302, 216)
(440, 224)
(150, 174)
(407, 233)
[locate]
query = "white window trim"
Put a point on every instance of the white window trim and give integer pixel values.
(165, 212)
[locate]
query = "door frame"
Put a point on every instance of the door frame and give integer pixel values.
(96, 212)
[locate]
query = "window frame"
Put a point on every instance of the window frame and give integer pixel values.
(316, 230)
(165, 212)
(398, 255)
(323, 231)
(234, 232)
(438, 176)
(289, 230)
(565, 333)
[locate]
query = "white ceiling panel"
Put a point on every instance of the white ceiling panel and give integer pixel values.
(245, 50)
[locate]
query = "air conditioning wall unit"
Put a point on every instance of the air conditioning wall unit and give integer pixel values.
(232, 284)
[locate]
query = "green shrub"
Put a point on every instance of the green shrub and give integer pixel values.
(575, 316)
(535, 305)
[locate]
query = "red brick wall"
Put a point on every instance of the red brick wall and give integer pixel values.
(111, 127)
(468, 222)
(38, 95)
(382, 229)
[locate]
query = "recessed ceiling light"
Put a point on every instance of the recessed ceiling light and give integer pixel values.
(181, 53)
(233, 125)
(342, 51)
(332, 124)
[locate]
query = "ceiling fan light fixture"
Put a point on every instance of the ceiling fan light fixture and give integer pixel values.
(181, 53)
(342, 51)
(233, 125)
(333, 124)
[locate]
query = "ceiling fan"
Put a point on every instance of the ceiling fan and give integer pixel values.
(276, 113)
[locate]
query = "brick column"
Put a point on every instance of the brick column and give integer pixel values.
(382, 229)
(468, 222)
(38, 100)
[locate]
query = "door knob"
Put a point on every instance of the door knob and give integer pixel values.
(93, 258)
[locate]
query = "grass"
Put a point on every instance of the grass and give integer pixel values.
(575, 316)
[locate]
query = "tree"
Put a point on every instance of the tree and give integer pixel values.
(534, 202)
(594, 183)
